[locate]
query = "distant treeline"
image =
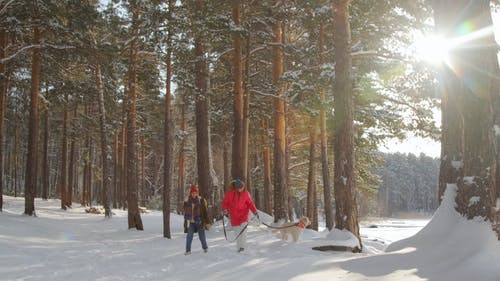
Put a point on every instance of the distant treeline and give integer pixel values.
(409, 184)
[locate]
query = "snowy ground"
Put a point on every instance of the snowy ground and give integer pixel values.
(74, 245)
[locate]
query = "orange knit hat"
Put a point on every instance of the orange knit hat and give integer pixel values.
(193, 188)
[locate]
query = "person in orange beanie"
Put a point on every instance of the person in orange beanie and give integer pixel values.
(196, 218)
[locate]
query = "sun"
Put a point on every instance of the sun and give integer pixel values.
(436, 50)
(431, 49)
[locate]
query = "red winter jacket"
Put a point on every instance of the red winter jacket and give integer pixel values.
(238, 204)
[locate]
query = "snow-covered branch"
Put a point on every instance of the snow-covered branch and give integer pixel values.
(5, 6)
(298, 165)
(364, 54)
(29, 47)
(268, 95)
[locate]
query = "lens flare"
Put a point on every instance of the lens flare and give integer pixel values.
(465, 28)
(432, 49)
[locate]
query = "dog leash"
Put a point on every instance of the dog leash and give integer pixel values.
(224, 226)
(281, 227)
(278, 227)
(239, 234)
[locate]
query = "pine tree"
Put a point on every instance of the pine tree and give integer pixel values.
(31, 158)
(134, 216)
(237, 145)
(476, 58)
(280, 171)
(344, 180)
(168, 142)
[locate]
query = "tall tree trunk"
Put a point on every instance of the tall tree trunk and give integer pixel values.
(346, 216)
(479, 62)
(90, 193)
(143, 170)
(246, 117)
(31, 158)
(315, 220)
(227, 168)
(451, 166)
(288, 186)
(71, 164)
(311, 181)
(3, 94)
(237, 152)
(157, 168)
(134, 216)
(46, 170)
(496, 121)
(106, 187)
(266, 157)
(116, 173)
(169, 147)
(181, 164)
(83, 198)
(496, 106)
(87, 171)
(324, 141)
(123, 156)
(16, 160)
(64, 158)
(280, 173)
(202, 114)
(474, 90)
(86, 168)
(226, 177)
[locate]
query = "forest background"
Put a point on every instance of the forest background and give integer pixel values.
(126, 103)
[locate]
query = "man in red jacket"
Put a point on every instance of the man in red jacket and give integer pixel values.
(237, 202)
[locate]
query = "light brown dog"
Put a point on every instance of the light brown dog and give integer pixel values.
(294, 229)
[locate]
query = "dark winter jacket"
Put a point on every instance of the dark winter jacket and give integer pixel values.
(196, 211)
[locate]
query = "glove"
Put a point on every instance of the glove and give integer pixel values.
(225, 213)
(256, 215)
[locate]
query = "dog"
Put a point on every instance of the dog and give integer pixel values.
(293, 229)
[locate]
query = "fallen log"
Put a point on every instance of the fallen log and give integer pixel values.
(337, 248)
